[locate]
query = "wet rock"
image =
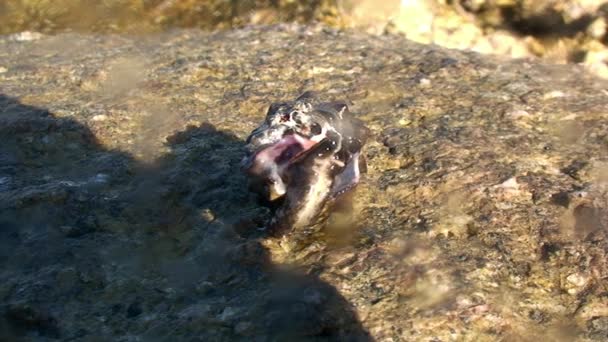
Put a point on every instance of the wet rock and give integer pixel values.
(598, 328)
(134, 309)
(537, 316)
(244, 328)
(460, 199)
(587, 220)
(25, 318)
(67, 279)
(204, 287)
(573, 169)
(201, 314)
(546, 250)
(229, 314)
(561, 198)
(80, 228)
(522, 269)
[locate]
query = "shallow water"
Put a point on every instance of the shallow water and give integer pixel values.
(135, 16)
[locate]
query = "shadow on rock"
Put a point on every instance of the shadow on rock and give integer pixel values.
(96, 244)
(549, 22)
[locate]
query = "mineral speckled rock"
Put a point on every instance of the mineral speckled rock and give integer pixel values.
(482, 216)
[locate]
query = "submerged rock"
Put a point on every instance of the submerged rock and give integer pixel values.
(483, 209)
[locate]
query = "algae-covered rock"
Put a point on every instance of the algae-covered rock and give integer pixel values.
(125, 216)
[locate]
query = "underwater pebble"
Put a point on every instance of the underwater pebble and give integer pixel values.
(207, 215)
(101, 178)
(554, 94)
(26, 36)
(577, 279)
(99, 117)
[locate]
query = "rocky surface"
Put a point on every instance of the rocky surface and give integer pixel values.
(561, 31)
(125, 217)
